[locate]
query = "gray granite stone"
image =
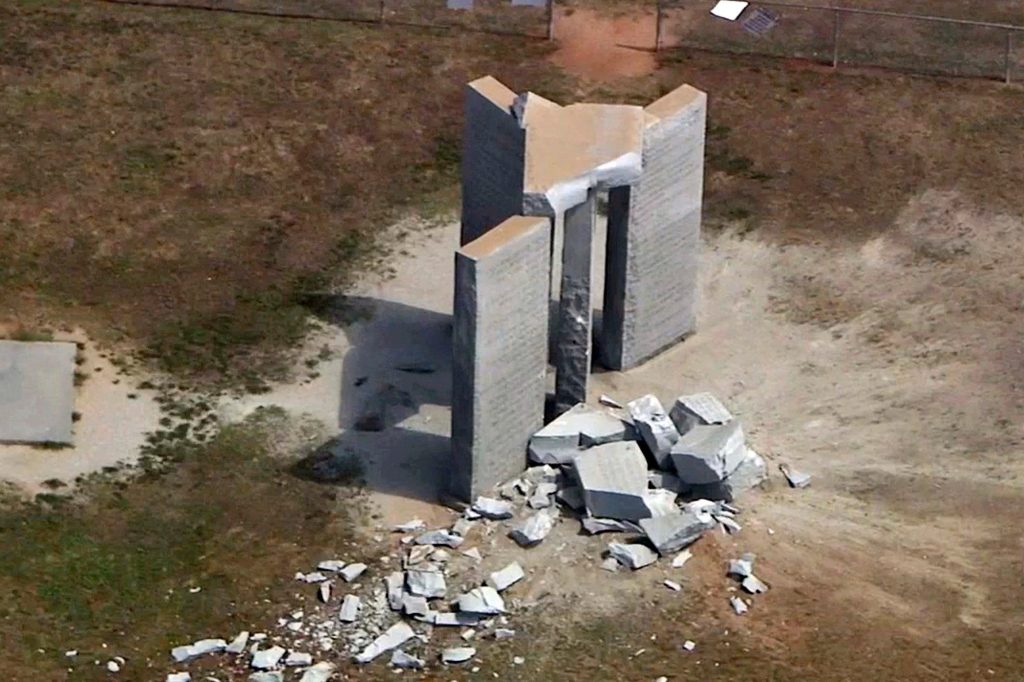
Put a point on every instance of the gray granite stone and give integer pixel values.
(708, 454)
(37, 391)
(656, 430)
(698, 409)
(672, 532)
(614, 480)
(580, 427)
(573, 327)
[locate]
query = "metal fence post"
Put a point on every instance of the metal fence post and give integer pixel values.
(1009, 52)
(835, 40)
(551, 19)
(657, 28)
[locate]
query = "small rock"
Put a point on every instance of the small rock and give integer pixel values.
(393, 584)
(611, 564)
(689, 645)
(457, 619)
(459, 654)
(753, 585)
(608, 401)
(71, 653)
(462, 527)
(414, 605)
(534, 529)
(267, 658)
(410, 526)
(482, 601)
(506, 577)
(394, 637)
(273, 676)
(113, 666)
(238, 644)
(429, 584)
(298, 658)
(439, 537)
(632, 556)
(473, 553)
(468, 634)
(491, 508)
(796, 479)
(742, 567)
(314, 577)
(331, 565)
(179, 677)
(595, 526)
(321, 672)
(518, 660)
(680, 559)
(349, 609)
(352, 571)
(325, 591)
(400, 659)
(658, 432)
(541, 498)
(738, 605)
(673, 585)
(504, 633)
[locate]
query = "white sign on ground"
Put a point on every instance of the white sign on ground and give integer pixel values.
(729, 9)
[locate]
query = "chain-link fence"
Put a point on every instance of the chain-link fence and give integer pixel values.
(836, 36)
(831, 35)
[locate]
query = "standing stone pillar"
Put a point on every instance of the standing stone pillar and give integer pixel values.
(500, 352)
(573, 328)
(650, 295)
(493, 158)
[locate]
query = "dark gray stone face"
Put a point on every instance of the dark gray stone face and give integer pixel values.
(37, 391)
(500, 331)
(573, 331)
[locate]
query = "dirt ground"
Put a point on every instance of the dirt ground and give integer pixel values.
(862, 314)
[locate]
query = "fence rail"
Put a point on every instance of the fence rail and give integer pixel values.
(826, 34)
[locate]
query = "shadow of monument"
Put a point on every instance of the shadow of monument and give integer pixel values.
(398, 362)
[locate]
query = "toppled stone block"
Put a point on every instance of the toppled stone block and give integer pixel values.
(493, 509)
(699, 409)
(632, 556)
(429, 584)
(439, 537)
(655, 428)
(614, 481)
(349, 609)
(708, 454)
(266, 659)
(484, 601)
(581, 427)
(458, 654)
(534, 529)
(392, 638)
(404, 661)
(506, 577)
(672, 532)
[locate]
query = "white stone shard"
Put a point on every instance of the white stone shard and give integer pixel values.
(673, 585)
(541, 474)
(267, 676)
(331, 565)
(738, 605)
(113, 666)
(541, 497)
(393, 585)
(410, 526)
(458, 654)
(614, 481)
(314, 577)
(680, 559)
(392, 638)
(708, 454)
(473, 553)
(321, 672)
(661, 502)
(689, 645)
(608, 401)
(672, 532)
(414, 605)
(654, 426)
(468, 634)
(595, 526)
(632, 556)
(578, 428)
(728, 524)
(296, 659)
(796, 479)
(666, 481)
(439, 537)
(178, 677)
(266, 659)
(429, 584)
(456, 619)
(699, 409)
(483, 601)
(180, 654)
(404, 661)
(418, 554)
(349, 608)
(534, 529)
(753, 585)
(325, 591)
(742, 567)
(506, 577)
(238, 644)
(504, 633)
(462, 527)
(352, 571)
(490, 508)
(611, 564)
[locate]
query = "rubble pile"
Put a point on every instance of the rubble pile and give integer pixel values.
(657, 479)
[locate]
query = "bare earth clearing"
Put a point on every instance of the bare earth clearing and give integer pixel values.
(863, 310)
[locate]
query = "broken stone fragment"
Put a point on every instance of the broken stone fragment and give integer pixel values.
(439, 537)
(580, 427)
(414, 605)
(632, 556)
(321, 672)
(666, 481)
(738, 605)
(418, 554)
(504, 633)
(298, 658)
(571, 497)
(595, 526)
(349, 609)
(506, 577)
(352, 571)
(490, 508)
(331, 565)
(541, 474)
(541, 498)
(655, 428)
(459, 654)
(484, 601)
(404, 661)
(753, 585)
(608, 401)
(410, 526)
(473, 553)
(611, 564)
(673, 585)
(429, 584)
(534, 529)
(796, 479)
(660, 502)
(394, 637)
(742, 567)
(179, 677)
(462, 527)
(314, 577)
(238, 644)
(393, 585)
(440, 556)
(614, 481)
(728, 524)
(751, 472)
(680, 559)
(699, 409)
(271, 676)
(267, 658)
(672, 532)
(325, 592)
(202, 647)
(457, 619)
(708, 454)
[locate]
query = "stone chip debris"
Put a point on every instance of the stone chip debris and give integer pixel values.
(202, 647)
(493, 509)
(699, 409)
(439, 537)
(753, 585)
(265, 659)
(738, 605)
(331, 565)
(404, 661)
(658, 432)
(267, 676)
(320, 672)
(796, 479)
(352, 571)
(580, 427)
(708, 453)
(672, 532)
(179, 677)
(459, 654)
(483, 601)
(392, 638)
(632, 556)
(429, 583)
(506, 577)
(238, 644)
(349, 609)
